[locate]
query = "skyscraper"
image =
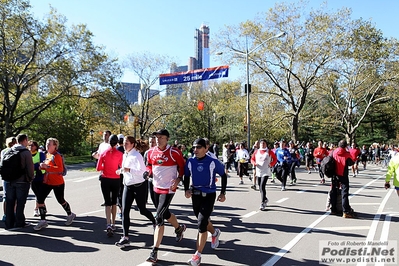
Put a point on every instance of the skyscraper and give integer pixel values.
(201, 44)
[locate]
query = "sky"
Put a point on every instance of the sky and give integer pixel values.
(167, 27)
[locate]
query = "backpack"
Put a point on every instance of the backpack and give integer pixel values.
(65, 171)
(327, 166)
(10, 166)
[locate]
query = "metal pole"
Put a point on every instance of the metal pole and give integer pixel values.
(248, 102)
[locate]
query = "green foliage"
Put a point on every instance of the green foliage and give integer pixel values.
(61, 121)
(43, 63)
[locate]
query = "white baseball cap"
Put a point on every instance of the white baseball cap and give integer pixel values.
(120, 136)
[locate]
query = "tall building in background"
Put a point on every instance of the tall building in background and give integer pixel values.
(176, 89)
(132, 92)
(201, 44)
(201, 59)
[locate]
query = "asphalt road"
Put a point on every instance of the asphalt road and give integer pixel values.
(292, 230)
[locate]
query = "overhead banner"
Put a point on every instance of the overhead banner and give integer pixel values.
(194, 75)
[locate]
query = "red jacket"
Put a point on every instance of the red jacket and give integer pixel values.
(109, 162)
(320, 153)
(355, 152)
(341, 156)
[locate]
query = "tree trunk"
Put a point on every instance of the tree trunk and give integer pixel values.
(294, 128)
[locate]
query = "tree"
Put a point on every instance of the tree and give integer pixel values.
(288, 69)
(147, 67)
(363, 76)
(42, 63)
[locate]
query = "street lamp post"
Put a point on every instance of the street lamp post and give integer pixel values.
(91, 139)
(248, 85)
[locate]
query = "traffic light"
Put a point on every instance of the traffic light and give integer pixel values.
(245, 88)
(245, 128)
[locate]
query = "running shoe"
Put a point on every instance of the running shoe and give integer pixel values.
(180, 232)
(110, 232)
(265, 203)
(113, 227)
(36, 213)
(241, 182)
(70, 218)
(42, 224)
(253, 187)
(262, 207)
(272, 181)
(215, 240)
(123, 242)
(283, 189)
(153, 256)
(322, 181)
(195, 260)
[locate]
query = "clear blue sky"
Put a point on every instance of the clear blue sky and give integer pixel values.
(167, 27)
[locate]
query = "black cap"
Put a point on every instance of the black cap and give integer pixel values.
(163, 132)
(199, 142)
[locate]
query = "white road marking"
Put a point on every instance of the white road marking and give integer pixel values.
(342, 228)
(365, 203)
(384, 235)
(249, 214)
(377, 216)
(277, 256)
(84, 179)
(282, 200)
(88, 213)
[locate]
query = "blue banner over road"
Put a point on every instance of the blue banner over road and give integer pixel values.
(194, 75)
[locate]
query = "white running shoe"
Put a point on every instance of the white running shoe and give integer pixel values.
(70, 219)
(215, 239)
(42, 224)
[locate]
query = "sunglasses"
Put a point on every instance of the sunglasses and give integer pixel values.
(197, 147)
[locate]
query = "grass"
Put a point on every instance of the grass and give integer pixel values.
(89, 169)
(78, 159)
